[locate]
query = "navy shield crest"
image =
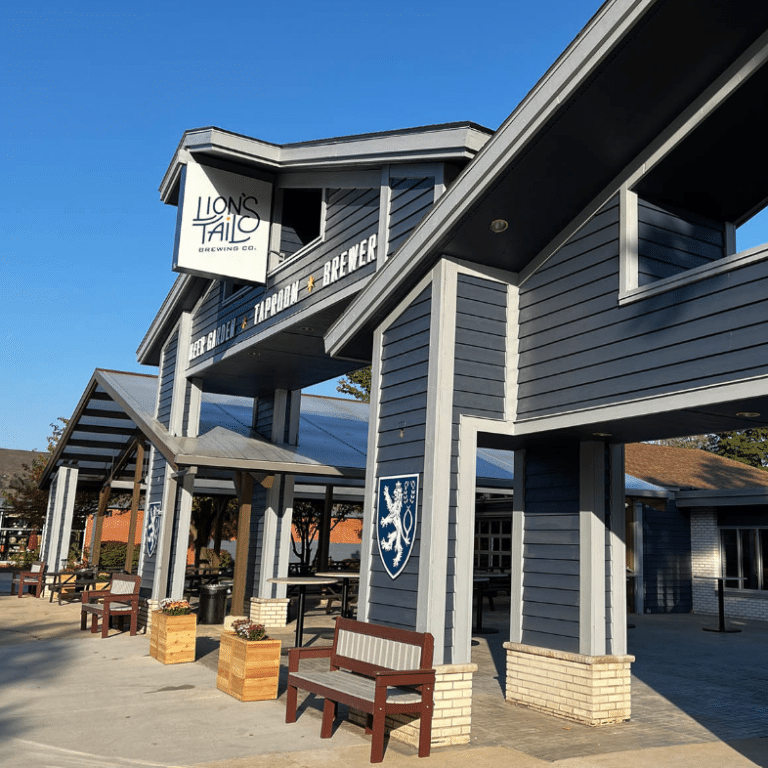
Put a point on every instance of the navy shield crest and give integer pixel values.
(153, 528)
(396, 520)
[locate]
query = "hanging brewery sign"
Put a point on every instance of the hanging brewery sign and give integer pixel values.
(396, 520)
(222, 228)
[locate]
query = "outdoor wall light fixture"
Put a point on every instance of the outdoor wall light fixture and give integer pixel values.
(401, 425)
(499, 225)
(747, 414)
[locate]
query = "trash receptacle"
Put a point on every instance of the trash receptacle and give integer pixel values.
(213, 604)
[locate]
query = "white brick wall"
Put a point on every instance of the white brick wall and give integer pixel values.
(588, 689)
(452, 714)
(705, 564)
(271, 612)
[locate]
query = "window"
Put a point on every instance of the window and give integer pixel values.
(230, 288)
(493, 545)
(744, 558)
(301, 222)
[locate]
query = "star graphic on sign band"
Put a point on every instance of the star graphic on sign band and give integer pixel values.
(310, 283)
(244, 324)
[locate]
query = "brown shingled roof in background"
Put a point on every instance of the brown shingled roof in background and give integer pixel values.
(689, 468)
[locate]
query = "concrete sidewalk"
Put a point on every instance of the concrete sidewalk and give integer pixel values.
(71, 699)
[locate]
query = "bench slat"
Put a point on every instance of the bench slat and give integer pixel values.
(354, 685)
(380, 651)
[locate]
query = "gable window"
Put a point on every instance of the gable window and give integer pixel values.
(744, 558)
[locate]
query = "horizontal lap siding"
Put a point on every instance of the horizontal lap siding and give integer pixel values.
(403, 405)
(667, 575)
(578, 348)
(479, 373)
(551, 549)
(410, 201)
(352, 215)
(670, 242)
(167, 375)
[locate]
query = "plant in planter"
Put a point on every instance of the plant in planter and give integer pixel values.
(249, 662)
(173, 632)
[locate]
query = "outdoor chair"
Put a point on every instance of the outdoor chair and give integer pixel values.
(120, 599)
(35, 577)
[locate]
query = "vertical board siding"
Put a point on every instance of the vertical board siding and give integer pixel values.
(167, 376)
(551, 548)
(578, 347)
(402, 405)
(351, 216)
(410, 201)
(667, 574)
(671, 242)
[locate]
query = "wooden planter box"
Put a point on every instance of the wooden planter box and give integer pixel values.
(248, 669)
(172, 638)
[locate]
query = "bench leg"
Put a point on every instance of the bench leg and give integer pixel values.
(425, 724)
(290, 704)
(105, 619)
(94, 624)
(83, 620)
(377, 739)
(329, 713)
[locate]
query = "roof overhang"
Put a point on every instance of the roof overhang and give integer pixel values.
(449, 142)
(590, 123)
(723, 497)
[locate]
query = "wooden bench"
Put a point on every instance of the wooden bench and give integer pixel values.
(378, 670)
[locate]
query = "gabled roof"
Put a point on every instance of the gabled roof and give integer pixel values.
(690, 468)
(631, 78)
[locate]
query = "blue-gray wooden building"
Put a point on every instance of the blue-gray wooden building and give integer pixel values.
(560, 288)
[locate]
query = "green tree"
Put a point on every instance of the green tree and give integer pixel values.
(749, 446)
(24, 500)
(357, 384)
(28, 504)
(213, 517)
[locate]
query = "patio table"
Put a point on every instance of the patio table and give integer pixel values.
(302, 582)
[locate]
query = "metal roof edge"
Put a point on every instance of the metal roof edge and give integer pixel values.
(458, 141)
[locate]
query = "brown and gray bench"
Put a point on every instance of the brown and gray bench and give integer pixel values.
(378, 670)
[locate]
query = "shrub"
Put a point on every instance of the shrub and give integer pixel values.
(113, 555)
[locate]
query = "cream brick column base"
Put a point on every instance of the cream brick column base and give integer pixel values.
(594, 690)
(269, 611)
(145, 612)
(451, 717)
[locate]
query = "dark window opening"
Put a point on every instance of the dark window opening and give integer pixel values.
(744, 557)
(301, 220)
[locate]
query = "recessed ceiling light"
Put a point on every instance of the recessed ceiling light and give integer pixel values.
(306, 328)
(499, 225)
(747, 414)
(602, 434)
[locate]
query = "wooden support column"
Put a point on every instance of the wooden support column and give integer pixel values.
(244, 484)
(137, 474)
(98, 523)
(324, 532)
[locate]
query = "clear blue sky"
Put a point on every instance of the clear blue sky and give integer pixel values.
(95, 97)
